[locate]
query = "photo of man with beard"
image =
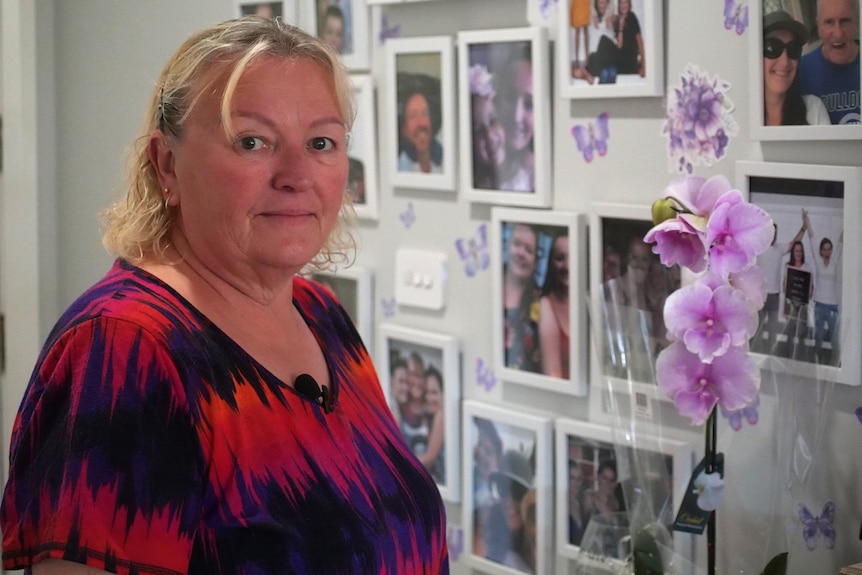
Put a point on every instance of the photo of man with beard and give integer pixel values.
(419, 116)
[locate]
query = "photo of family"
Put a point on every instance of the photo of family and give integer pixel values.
(535, 286)
(417, 401)
(633, 286)
(810, 63)
(504, 494)
(801, 319)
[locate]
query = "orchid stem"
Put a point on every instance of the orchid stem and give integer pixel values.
(710, 450)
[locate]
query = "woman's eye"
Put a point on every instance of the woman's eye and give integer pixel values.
(322, 144)
(250, 143)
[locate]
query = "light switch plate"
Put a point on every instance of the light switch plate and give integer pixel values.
(420, 278)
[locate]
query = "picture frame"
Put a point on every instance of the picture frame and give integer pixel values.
(540, 299)
(381, 2)
(351, 38)
(354, 288)
(831, 197)
(362, 180)
(421, 106)
(586, 454)
(411, 358)
(590, 60)
(284, 9)
(521, 444)
(628, 286)
(500, 74)
(764, 84)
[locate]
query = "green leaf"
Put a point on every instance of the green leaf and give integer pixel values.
(646, 555)
(777, 565)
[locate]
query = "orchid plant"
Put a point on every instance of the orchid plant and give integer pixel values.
(707, 227)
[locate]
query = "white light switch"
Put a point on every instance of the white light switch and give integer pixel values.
(420, 278)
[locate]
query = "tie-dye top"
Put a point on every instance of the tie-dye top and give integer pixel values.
(148, 442)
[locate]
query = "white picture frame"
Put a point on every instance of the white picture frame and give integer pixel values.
(402, 351)
(661, 466)
(831, 196)
(514, 233)
(592, 51)
(523, 444)
(494, 69)
(354, 288)
(626, 320)
(355, 50)
(805, 12)
(420, 75)
(284, 10)
(362, 150)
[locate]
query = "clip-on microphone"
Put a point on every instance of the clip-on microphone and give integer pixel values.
(309, 388)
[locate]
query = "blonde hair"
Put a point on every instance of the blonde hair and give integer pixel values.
(138, 226)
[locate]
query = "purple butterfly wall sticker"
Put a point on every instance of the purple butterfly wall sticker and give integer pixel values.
(485, 375)
(455, 541)
(474, 251)
(735, 15)
(592, 137)
(408, 216)
(387, 304)
(546, 6)
(859, 414)
(748, 413)
(387, 31)
(814, 527)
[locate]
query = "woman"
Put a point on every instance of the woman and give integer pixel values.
(191, 450)
(798, 287)
(520, 300)
(826, 295)
(783, 102)
(554, 311)
(604, 51)
(517, 116)
(630, 41)
(434, 458)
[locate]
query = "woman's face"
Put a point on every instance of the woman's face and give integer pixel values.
(798, 253)
(778, 73)
(625, 7)
(639, 261)
(433, 394)
(333, 33)
(607, 481)
(400, 384)
(560, 261)
(522, 252)
(517, 106)
(485, 456)
(267, 199)
(603, 6)
(488, 135)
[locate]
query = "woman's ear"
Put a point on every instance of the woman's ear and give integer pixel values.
(161, 154)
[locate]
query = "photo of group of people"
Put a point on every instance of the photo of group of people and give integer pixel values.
(504, 495)
(535, 297)
(607, 41)
(801, 318)
(811, 71)
(502, 116)
(634, 287)
(417, 401)
(420, 118)
(262, 9)
(603, 482)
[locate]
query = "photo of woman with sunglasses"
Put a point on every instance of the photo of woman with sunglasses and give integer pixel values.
(783, 102)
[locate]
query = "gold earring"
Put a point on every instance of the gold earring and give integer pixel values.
(167, 193)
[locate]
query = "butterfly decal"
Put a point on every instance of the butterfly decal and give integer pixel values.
(812, 526)
(454, 541)
(859, 414)
(408, 216)
(387, 31)
(592, 137)
(748, 413)
(485, 375)
(545, 7)
(474, 251)
(388, 306)
(735, 15)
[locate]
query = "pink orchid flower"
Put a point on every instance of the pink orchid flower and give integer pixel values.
(697, 197)
(709, 321)
(731, 380)
(677, 243)
(751, 281)
(736, 233)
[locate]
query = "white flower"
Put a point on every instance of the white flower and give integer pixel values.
(481, 81)
(710, 489)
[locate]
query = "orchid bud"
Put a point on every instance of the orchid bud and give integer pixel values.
(663, 209)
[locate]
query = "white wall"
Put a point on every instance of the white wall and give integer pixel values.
(100, 66)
